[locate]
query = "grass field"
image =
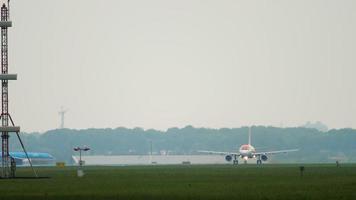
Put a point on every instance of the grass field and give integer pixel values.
(186, 182)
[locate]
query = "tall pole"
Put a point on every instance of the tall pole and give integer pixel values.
(80, 158)
(80, 149)
(150, 152)
(7, 124)
(5, 95)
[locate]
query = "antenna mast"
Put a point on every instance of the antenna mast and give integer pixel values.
(7, 124)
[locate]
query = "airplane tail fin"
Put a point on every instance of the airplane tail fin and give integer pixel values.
(76, 161)
(249, 135)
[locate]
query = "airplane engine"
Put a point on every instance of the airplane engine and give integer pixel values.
(228, 158)
(264, 157)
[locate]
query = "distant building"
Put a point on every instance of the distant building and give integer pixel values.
(154, 159)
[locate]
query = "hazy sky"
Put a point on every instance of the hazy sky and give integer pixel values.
(163, 63)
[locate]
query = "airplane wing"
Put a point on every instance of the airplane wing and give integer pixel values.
(219, 152)
(275, 152)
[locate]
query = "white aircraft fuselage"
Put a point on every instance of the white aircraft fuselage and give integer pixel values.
(247, 151)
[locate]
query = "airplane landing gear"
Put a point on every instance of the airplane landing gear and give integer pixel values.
(235, 162)
(259, 162)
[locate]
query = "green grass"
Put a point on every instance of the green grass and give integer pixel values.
(186, 182)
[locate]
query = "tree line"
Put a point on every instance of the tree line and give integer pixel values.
(315, 146)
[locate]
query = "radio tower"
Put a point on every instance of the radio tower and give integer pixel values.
(7, 127)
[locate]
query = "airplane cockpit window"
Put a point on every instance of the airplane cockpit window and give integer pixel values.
(245, 147)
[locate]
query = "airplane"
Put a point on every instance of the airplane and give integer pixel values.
(37, 158)
(247, 151)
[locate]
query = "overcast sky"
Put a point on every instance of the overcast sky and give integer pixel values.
(170, 63)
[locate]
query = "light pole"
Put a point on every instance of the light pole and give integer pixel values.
(150, 152)
(80, 149)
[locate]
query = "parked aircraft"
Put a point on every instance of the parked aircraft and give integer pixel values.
(35, 157)
(247, 151)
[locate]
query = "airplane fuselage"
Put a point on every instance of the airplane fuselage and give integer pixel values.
(247, 151)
